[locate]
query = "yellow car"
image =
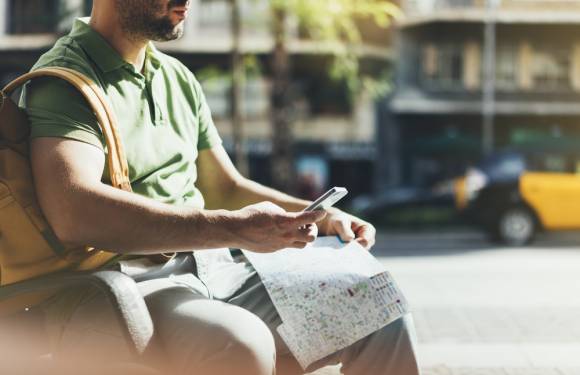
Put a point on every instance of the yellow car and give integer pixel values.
(513, 195)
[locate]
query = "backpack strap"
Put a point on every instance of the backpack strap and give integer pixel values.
(118, 168)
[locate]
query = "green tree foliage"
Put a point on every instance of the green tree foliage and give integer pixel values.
(337, 23)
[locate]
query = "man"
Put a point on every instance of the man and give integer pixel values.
(212, 315)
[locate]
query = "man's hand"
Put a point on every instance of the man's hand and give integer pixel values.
(348, 228)
(266, 227)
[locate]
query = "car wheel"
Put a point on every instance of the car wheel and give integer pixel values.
(516, 226)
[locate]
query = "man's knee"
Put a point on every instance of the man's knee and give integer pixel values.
(389, 350)
(231, 341)
(400, 332)
(404, 326)
(250, 343)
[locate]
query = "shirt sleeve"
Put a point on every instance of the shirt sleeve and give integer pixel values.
(56, 109)
(208, 136)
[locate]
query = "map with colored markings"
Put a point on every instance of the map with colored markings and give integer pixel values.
(329, 295)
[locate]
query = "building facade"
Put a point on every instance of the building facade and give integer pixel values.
(433, 125)
(335, 137)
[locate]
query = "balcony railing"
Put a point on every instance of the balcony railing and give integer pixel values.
(509, 11)
(427, 7)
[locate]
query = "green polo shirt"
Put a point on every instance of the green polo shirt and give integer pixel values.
(164, 119)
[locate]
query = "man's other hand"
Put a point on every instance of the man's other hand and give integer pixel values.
(266, 227)
(348, 228)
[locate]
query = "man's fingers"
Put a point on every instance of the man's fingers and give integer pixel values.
(299, 245)
(300, 219)
(363, 242)
(366, 236)
(342, 228)
(306, 233)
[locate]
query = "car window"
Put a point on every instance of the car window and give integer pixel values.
(555, 163)
(504, 167)
(552, 163)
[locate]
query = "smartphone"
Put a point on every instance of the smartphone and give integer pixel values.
(327, 199)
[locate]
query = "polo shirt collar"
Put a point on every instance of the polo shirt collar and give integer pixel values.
(99, 50)
(152, 56)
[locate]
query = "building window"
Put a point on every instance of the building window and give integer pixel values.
(442, 66)
(505, 69)
(33, 16)
(214, 15)
(551, 69)
(454, 4)
(255, 102)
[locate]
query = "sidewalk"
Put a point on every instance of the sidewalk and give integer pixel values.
(484, 310)
(481, 309)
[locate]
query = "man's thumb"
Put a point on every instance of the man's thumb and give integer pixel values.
(310, 217)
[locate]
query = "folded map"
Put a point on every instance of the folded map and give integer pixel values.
(328, 295)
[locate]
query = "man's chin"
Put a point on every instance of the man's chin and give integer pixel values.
(174, 34)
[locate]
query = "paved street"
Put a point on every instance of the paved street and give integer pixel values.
(481, 309)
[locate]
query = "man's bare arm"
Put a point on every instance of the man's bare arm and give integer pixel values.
(224, 187)
(84, 211)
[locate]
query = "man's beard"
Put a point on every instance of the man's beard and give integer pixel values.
(140, 19)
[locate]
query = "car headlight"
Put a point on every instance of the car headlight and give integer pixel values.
(475, 180)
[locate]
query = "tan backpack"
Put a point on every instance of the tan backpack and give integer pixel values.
(28, 247)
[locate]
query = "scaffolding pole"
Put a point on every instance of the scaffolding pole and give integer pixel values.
(238, 77)
(489, 68)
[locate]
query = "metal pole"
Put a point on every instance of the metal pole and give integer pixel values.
(4, 17)
(283, 173)
(236, 90)
(488, 87)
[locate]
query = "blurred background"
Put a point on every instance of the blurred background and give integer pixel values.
(454, 124)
